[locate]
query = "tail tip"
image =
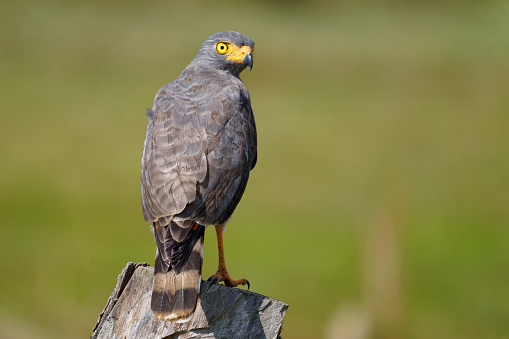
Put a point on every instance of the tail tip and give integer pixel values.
(176, 317)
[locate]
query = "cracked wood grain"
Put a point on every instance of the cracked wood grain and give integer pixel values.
(221, 312)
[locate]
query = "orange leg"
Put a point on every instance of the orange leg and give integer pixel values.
(222, 273)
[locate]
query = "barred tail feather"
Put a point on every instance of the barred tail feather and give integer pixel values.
(177, 279)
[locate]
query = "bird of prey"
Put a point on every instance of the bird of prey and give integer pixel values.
(199, 149)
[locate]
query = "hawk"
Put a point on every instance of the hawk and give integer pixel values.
(199, 149)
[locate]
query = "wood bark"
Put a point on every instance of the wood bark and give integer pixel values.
(221, 312)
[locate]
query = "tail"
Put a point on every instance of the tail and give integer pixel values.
(177, 271)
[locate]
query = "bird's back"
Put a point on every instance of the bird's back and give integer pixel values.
(203, 143)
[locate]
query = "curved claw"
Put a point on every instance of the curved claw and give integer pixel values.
(213, 279)
(248, 284)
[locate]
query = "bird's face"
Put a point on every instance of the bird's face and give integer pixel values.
(227, 50)
(233, 53)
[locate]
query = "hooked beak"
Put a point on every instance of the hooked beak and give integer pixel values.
(248, 60)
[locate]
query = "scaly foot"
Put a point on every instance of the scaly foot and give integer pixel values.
(222, 275)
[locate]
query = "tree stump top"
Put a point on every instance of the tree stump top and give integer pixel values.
(221, 312)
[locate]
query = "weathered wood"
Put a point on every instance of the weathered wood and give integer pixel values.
(221, 312)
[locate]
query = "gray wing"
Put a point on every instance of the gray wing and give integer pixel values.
(197, 154)
(231, 156)
(173, 158)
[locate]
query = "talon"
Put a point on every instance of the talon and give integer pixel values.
(213, 279)
(211, 283)
(248, 284)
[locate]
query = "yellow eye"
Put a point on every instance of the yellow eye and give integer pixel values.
(222, 47)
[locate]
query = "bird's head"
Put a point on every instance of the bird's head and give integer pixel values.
(226, 50)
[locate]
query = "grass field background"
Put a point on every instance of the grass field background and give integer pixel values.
(380, 202)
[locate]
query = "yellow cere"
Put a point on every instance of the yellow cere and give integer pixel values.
(238, 53)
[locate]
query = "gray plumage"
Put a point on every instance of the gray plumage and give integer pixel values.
(199, 149)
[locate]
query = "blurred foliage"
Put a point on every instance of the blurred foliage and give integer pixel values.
(382, 178)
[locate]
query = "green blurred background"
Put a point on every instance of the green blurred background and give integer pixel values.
(380, 202)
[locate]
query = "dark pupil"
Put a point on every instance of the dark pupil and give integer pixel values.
(222, 47)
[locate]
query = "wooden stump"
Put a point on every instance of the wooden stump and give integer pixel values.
(221, 312)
